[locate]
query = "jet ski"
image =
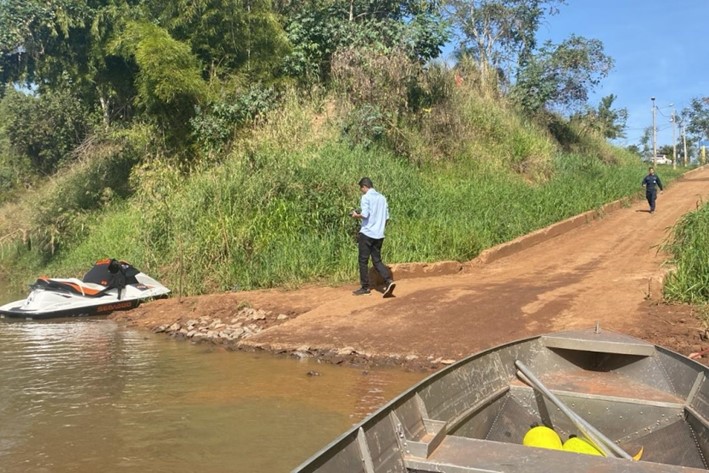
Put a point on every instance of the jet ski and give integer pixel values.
(110, 285)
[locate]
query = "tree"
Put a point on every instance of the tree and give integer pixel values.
(612, 122)
(562, 75)
(321, 27)
(17, 20)
(74, 40)
(605, 120)
(30, 29)
(45, 128)
(635, 149)
(64, 43)
(666, 150)
(499, 34)
(696, 116)
(228, 35)
(169, 81)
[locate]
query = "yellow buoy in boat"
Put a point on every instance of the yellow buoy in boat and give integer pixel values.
(579, 445)
(542, 437)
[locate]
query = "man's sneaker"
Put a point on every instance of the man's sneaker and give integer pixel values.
(389, 289)
(362, 291)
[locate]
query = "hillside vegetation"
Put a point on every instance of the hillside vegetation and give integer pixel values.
(273, 209)
(216, 144)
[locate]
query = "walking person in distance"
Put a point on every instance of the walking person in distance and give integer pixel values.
(373, 216)
(651, 182)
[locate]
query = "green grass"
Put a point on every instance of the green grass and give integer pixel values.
(284, 221)
(275, 210)
(689, 247)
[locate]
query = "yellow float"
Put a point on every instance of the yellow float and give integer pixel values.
(579, 445)
(542, 437)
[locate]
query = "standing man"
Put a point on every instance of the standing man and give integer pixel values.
(650, 182)
(373, 214)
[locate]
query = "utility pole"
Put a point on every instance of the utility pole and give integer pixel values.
(674, 140)
(684, 140)
(654, 134)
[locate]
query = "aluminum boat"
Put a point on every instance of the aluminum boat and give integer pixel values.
(643, 407)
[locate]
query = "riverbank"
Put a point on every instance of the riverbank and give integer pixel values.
(603, 267)
(677, 327)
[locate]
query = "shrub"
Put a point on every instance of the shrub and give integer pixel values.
(364, 126)
(45, 128)
(58, 214)
(214, 126)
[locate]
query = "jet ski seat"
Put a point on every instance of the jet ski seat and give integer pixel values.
(107, 274)
(75, 286)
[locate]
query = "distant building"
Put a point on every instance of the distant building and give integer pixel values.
(659, 159)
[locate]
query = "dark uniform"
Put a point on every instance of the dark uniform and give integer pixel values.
(651, 182)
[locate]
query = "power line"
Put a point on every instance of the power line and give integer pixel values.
(658, 111)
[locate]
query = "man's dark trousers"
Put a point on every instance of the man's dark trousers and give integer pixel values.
(370, 247)
(651, 196)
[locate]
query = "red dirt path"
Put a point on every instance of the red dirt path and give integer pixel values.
(606, 271)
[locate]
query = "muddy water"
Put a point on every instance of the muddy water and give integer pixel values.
(88, 395)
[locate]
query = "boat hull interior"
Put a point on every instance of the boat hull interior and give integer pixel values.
(473, 415)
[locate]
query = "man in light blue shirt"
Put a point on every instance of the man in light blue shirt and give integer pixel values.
(373, 214)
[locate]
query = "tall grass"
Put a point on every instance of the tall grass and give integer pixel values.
(469, 126)
(268, 219)
(275, 210)
(689, 247)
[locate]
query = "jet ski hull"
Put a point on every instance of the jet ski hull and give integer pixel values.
(103, 308)
(109, 286)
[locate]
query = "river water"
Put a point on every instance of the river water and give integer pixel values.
(89, 395)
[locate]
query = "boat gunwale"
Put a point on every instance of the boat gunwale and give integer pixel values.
(403, 397)
(330, 450)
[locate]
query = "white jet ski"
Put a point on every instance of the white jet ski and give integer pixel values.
(109, 286)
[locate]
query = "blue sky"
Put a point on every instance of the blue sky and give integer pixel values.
(659, 48)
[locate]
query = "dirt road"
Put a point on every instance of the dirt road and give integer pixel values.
(602, 271)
